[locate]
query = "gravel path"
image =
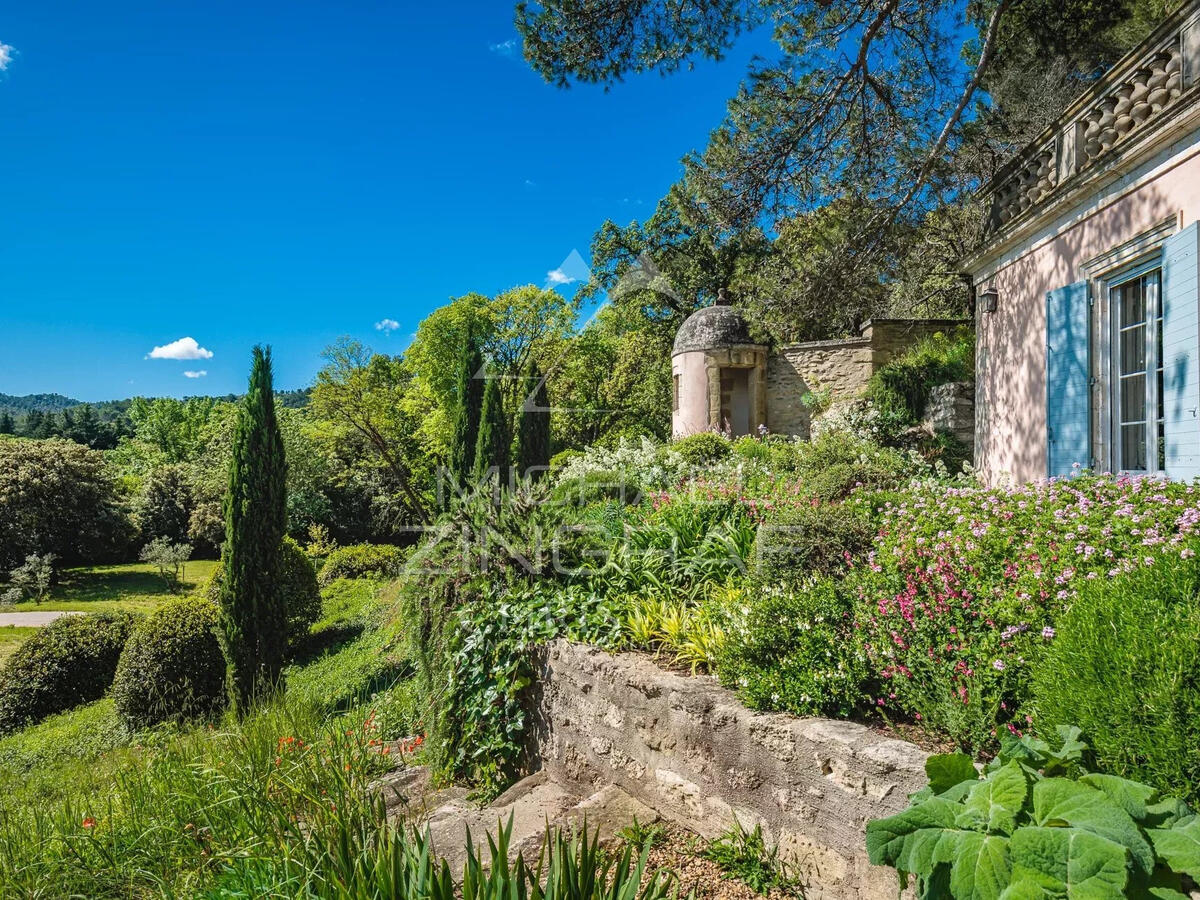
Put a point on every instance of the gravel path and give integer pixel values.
(32, 619)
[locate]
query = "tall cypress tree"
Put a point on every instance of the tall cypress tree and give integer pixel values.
(491, 449)
(469, 394)
(253, 617)
(534, 437)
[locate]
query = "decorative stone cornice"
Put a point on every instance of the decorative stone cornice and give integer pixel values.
(1127, 109)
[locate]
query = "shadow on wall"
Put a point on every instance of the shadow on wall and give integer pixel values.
(1011, 359)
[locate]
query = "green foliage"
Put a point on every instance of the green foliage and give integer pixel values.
(82, 733)
(168, 558)
(491, 665)
(493, 444)
(800, 540)
(794, 649)
(835, 463)
(362, 561)
(468, 409)
(744, 855)
(301, 593)
(57, 497)
(173, 427)
(68, 663)
(164, 504)
(1125, 665)
(900, 388)
(1038, 824)
(253, 615)
(701, 449)
(533, 438)
(172, 669)
(694, 635)
(351, 672)
(31, 580)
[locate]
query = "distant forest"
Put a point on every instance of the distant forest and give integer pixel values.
(98, 425)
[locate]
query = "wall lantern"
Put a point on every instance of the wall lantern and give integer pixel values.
(990, 298)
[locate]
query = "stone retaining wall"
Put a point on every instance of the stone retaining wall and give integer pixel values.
(689, 750)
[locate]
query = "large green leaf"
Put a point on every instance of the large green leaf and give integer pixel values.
(1059, 802)
(906, 835)
(945, 770)
(994, 803)
(1069, 862)
(1129, 795)
(979, 864)
(1179, 846)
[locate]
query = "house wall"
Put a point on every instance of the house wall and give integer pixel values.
(1010, 412)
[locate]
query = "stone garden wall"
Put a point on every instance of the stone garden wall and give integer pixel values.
(842, 367)
(688, 749)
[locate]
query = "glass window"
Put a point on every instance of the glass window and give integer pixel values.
(1138, 385)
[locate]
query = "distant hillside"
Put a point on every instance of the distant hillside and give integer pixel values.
(40, 402)
(107, 409)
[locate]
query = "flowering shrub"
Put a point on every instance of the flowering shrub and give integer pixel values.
(967, 584)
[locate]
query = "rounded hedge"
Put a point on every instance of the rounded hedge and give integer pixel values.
(1124, 665)
(297, 580)
(703, 448)
(172, 669)
(361, 561)
(68, 663)
(797, 542)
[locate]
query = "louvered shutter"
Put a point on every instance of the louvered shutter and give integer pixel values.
(1068, 408)
(1181, 353)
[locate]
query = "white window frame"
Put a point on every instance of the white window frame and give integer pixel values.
(1147, 265)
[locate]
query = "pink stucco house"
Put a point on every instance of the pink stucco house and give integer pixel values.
(1087, 289)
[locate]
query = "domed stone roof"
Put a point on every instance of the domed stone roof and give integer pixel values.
(712, 327)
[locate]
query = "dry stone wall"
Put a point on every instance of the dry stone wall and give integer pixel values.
(689, 750)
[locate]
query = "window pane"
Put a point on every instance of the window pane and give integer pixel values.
(1133, 398)
(1133, 303)
(1133, 447)
(1133, 350)
(1162, 448)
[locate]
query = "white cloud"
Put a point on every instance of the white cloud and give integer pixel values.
(6, 55)
(508, 48)
(184, 348)
(198, 374)
(572, 269)
(387, 326)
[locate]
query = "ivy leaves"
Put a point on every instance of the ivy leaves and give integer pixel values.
(1020, 832)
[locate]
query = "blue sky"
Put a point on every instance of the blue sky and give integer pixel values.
(290, 172)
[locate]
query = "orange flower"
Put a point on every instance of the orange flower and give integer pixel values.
(89, 822)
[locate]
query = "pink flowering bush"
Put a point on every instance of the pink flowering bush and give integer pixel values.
(966, 586)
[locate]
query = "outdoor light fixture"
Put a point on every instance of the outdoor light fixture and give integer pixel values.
(990, 298)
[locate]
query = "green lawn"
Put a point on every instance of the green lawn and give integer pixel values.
(134, 587)
(11, 637)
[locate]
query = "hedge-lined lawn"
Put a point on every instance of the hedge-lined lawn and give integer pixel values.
(134, 587)
(11, 637)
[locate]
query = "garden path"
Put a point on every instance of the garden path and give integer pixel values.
(33, 619)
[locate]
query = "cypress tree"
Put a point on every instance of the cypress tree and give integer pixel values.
(7, 425)
(534, 437)
(253, 617)
(491, 449)
(469, 393)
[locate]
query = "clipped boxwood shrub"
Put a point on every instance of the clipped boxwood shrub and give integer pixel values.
(703, 448)
(361, 561)
(68, 663)
(297, 579)
(172, 669)
(1124, 664)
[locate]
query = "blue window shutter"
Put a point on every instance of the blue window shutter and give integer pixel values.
(1181, 353)
(1068, 406)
